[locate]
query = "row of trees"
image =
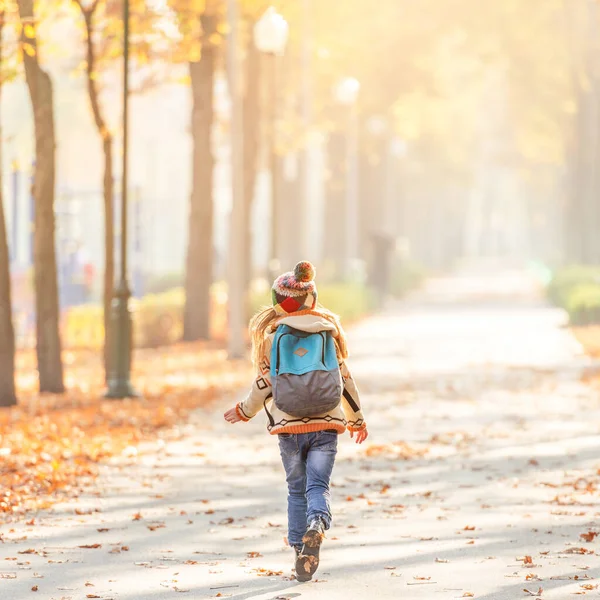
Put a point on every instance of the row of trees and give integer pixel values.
(199, 43)
(469, 87)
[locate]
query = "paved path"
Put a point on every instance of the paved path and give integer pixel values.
(481, 473)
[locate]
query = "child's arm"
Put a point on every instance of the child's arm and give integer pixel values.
(260, 392)
(351, 406)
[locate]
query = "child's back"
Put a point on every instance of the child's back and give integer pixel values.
(300, 352)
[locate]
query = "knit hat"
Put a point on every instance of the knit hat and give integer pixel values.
(296, 290)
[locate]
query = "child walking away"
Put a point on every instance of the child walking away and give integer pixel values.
(309, 398)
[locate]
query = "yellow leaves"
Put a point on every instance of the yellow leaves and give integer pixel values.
(215, 39)
(29, 31)
(195, 53)
(28, 49)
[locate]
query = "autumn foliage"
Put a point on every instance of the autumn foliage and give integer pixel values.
(51, 446)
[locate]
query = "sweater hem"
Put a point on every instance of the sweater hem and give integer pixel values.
(309, 427)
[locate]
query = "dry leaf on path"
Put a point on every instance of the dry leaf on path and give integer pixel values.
(577, 551)
(589, 536)
(535, 594)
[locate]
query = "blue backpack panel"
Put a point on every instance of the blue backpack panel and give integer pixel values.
(305, 373)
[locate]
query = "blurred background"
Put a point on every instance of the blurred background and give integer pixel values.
(382, 141)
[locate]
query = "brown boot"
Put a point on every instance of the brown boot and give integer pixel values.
(313, 538)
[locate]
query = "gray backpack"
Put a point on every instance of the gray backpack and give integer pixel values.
(305, 373)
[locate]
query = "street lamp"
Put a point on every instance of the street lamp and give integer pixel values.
(270, 37)
(119, 371)
(346, 93)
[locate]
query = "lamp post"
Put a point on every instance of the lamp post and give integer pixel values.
(119, 385)
(270, 37)
(346, 93)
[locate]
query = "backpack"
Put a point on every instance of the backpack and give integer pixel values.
(305, 372)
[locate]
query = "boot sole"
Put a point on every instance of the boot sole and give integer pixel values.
(308, 560)
(303, 567)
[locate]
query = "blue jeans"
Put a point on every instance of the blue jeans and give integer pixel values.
(308, 462)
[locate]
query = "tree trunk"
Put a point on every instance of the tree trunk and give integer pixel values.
(251, 147)
(109, 246)
(7, 335)
(107, 182)
(46, 286)
(199, 262)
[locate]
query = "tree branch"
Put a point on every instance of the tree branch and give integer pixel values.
(87, 11)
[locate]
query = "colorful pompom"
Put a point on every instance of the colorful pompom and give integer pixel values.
(304, 271)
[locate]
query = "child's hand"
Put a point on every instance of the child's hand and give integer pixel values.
(231, 416)
(361, 435)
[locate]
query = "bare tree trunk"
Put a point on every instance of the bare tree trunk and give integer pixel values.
(46, 287)
(109, 248)
(107, 182)
(199, 272)
(7, 334)
(251, 146)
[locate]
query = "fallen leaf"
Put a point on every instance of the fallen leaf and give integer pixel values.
(34, 588)
(266, 572)
(577, 551)
(589, 536)
(253, 554)
(90, 546)
(536, 594)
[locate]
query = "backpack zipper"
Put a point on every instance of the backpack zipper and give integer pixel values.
(279, 350)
